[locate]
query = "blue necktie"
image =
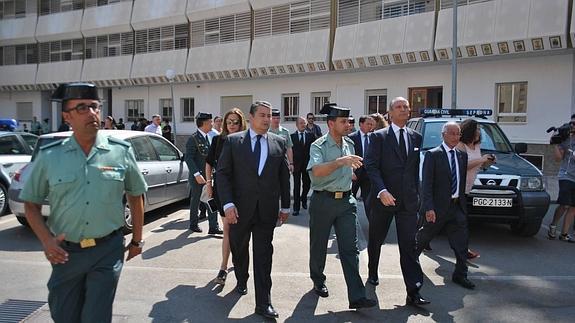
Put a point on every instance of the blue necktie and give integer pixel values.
(453, 173)
(365, 143)
(258, 152)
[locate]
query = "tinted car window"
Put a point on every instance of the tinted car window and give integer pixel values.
(143, 149)
(165, 151)
(11, 145)
(31, 141)
(492, 137)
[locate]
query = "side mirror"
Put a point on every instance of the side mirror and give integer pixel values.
(521, 148)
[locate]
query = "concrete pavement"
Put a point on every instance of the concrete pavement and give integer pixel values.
(518, 279)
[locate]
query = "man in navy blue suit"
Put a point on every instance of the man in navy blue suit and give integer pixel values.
(360, 140)
(392, 164)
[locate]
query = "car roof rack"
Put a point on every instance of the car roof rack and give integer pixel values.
(440, 112)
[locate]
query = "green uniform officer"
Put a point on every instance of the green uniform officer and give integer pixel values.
(331, 166)
(84, 177)
(284, 133)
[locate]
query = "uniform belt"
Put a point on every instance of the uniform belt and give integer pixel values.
(334, 195)
(89, 243)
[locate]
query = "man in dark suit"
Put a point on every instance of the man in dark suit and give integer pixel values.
(392, 163)
(196, 152)
(253, 175)
(301, 144)
(360, 140)
(443, 199)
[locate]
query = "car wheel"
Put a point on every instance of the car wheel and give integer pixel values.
(23, 221)
(526, 229)
(3, 200)
(127, 219)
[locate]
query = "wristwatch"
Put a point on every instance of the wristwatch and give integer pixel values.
(137, 244)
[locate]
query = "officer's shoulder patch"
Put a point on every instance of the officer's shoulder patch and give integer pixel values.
(349, 141)
(119, 141)
(52, 144)
(319, 141)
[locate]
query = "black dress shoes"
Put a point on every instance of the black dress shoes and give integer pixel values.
(295, 213)
(217, 230)
(463, 282)
(202, 215)
(321, 290)
(241, 289)
(362, 303)
(416, 299)
(373, 280)
(267, 312)
(304, 204)
(196, 229)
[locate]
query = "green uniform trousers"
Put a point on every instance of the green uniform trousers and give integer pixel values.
(325, 212)
(83, 289)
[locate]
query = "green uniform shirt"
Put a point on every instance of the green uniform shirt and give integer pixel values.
(84, 192)
(324, 150)
(281, 131)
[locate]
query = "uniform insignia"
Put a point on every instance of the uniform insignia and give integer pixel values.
(52, 144)
(119, 141)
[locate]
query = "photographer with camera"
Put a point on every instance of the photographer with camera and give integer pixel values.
(564, 142)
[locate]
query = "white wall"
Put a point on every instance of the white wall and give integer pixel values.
(8, 101)
(550, 90)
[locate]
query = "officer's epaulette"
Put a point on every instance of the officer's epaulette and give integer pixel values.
(119, 141)
(349, 141)
(52, 144)
(320, 140)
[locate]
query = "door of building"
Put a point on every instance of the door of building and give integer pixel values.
(425, 97)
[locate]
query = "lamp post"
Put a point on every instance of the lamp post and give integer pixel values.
(171, 75)
(454, 59)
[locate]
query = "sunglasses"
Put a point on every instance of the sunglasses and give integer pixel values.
(233, 122)
(85, 108)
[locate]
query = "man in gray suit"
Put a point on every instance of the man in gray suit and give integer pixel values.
(253, 175)
(443, 199)
(392, 164)
(196, 152)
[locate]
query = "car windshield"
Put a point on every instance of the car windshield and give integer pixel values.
(492, 138)
(44, 141)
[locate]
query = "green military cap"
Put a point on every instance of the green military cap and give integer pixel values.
(203, 116)
(332, 110)
(77, 90)
(275, 113)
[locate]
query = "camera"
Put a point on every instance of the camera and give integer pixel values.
(560, 133)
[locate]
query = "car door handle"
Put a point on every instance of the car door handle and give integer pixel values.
(168, 170)
(145, 172)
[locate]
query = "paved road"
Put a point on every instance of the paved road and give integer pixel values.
(519, 279)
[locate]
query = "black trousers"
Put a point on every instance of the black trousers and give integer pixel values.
(262, 249)
(406, 226)
(455, 225)
(300, 176)
(364, 184)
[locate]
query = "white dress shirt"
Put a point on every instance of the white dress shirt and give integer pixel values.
(396, 129)
(153, 129)
(447, 151)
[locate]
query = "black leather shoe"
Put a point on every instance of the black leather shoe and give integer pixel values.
(241, 289)
(216, 231)
(416, 299)
(427, 247)
(463, 282)
(362, 303)
(321, 290)
(373, 280)
(304, 205)
(196, 229)
(267, 312)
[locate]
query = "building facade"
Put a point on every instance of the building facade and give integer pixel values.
(515, 57)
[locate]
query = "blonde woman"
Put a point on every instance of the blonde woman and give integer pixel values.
(234, 121)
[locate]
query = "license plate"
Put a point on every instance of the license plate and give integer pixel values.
(492, 202)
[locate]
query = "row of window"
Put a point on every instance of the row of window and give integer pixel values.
(511, 104)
